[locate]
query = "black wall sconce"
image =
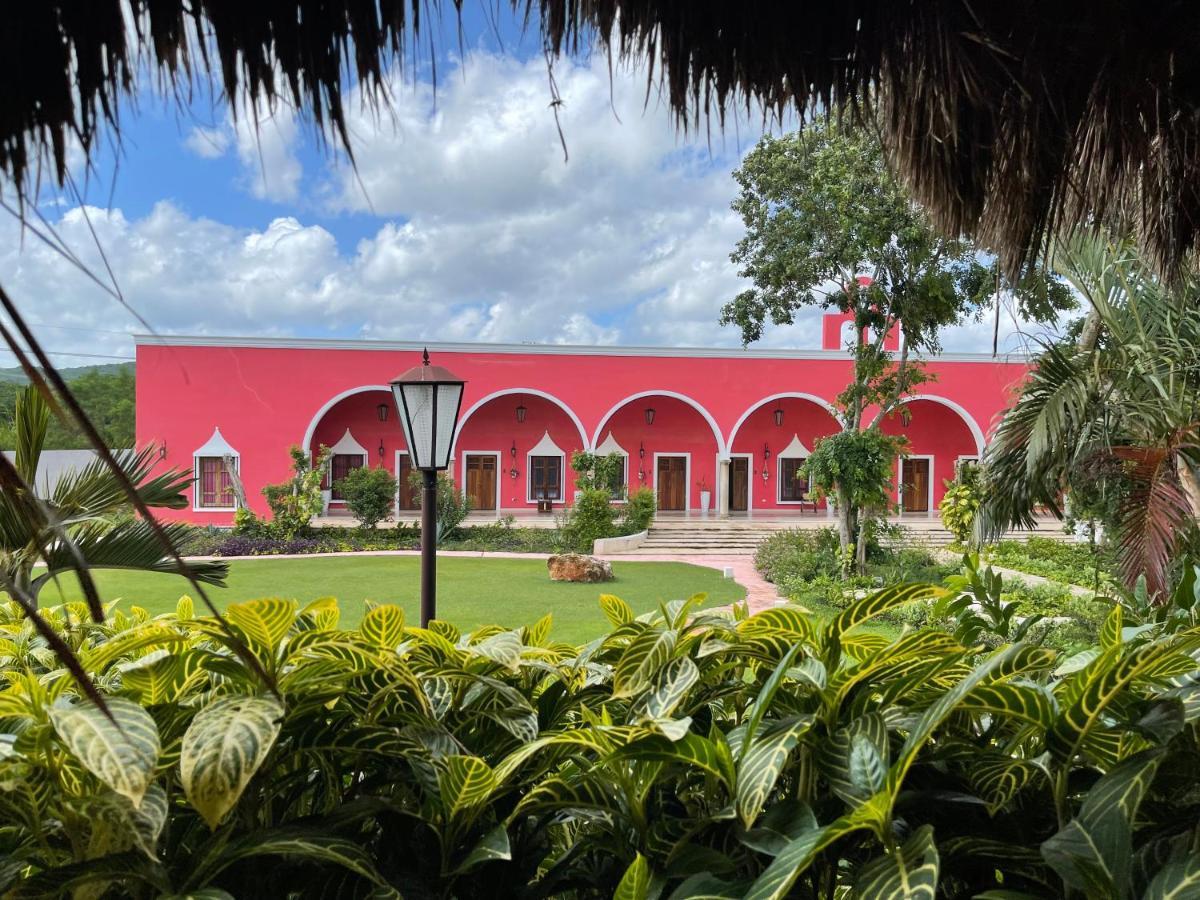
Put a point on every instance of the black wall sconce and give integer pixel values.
(521, 410)
(905, 417)
(778, 416)
(766, 456)
(381, 451)
(649, 415)
(641, 474)
(512, 472)
(641, 449)
(382, 411)
(162, 451)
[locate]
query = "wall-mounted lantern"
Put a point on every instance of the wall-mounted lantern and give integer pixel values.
(641, 450)
(381, 450)
(512, 472)
(162, 451)
(649, 415)
(382, 411)
(778, 416)
(766, 456)
(641, 474)
(521, 410)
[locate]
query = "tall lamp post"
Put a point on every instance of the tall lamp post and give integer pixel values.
(428, 399)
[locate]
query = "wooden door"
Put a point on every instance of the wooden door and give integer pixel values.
(672, 482)
(739, 484)
(409, 496)
(914, 484)
(481, 481)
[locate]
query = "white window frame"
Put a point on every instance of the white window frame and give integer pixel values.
(779, 482)
(216, 446)
(958, 461)
(687, 474)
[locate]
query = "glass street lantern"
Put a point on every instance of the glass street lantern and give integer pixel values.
(428, 399)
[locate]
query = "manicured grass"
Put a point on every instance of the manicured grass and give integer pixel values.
(471, 591)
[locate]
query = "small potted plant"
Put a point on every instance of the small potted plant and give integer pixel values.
(705, 495)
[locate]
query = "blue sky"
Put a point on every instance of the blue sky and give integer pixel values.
(462, 221)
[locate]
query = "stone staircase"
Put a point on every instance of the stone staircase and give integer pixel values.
(736, 537)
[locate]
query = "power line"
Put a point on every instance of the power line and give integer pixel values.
(88, 355)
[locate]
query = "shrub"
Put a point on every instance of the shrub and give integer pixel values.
(245, 522)
(961, 502)
(799, 554)
(369, 494)
(590, 518)
(294, 502)
(709, 754)
(1064, 561)
(453, 505)
(640, 508)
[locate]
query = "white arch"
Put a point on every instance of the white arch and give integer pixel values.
(712, 423)
(334, 401)
(795, 395)
(976, 431)
(507, 392)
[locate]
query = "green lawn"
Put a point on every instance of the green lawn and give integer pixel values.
(471, 591)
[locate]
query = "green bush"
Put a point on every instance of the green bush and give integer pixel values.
(1064, 561)
(590, 518)
(453, 505)
(799, 554)
(640, 508)
(960, 503)
(294, 502)
(369, 494)
(245, 522)
(707, 753)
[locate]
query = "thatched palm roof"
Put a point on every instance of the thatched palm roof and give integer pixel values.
(1009, 118)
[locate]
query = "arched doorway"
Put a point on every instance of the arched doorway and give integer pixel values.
(767, 450)
(513, 452)
(673, 446)
(941, 435)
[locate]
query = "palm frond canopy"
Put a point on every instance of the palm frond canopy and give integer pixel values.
(1010, 119)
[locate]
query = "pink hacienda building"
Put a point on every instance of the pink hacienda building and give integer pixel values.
(717, 427)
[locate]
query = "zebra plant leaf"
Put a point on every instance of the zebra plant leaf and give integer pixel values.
(503, 648)
(761, 765)
(264, 622)
(1178, 880)
(464, 783)
(880, 602)
(222, 748)
(908, 873)
(641, 661)
(122, 751)
(669, 688)
(1092, 853)
(854, 758)
(635, 883)
(383, 627)
(616, 610)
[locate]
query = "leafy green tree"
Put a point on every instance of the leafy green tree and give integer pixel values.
(1116, 416)
(294, 502)
(106, 396)
(369, 494)
(86, 516)
(827, 226)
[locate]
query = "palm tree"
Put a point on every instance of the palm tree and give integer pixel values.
(1129, 401)
(86, 516)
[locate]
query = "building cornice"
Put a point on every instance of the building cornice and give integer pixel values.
(298, 343)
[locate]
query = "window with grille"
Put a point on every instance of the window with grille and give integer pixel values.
(340, 466)
(792, 484)
(546, 477)
(214, 485)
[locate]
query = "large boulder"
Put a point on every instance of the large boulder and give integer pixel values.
(578, 567)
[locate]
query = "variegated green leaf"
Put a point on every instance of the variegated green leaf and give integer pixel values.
(184, 608)
(464, 783)
(121, 751)
(762, 702)
(383, 627)
(691, 750)
(762, 764)
(492, 846)
(264, 621)
(1092, 853)
(641, 661)
(161, 676)
(616, 610)
(222, 748)
(880, 602)
(909, 873)
(1177, 880)
(537, 634)
(854, 758)
(669, 688)
(997, 779)
(503, 648)
(1110, 631)
(635, 883)
(1020, 701)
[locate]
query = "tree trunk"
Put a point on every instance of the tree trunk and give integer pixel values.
(1091, 330)
(845, 517)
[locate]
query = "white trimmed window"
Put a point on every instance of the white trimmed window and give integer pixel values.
(347, 455)
(607, 447)
(793, 486)
(213, 465)
(545, 463)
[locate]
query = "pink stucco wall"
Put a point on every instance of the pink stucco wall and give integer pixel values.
(265, 396)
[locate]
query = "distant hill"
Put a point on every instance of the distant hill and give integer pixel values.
(16, 375)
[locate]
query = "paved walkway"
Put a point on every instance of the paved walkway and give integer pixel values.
(760, 594)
